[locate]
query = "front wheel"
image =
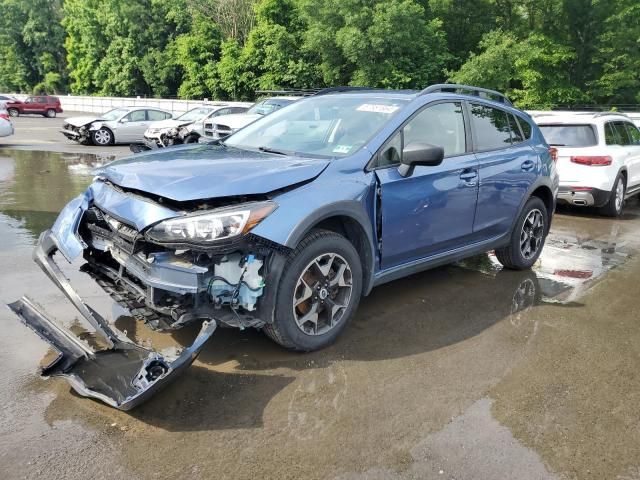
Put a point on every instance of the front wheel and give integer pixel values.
(51, 113)
(528, 237)
(191, 139)
(102, 137)
(318, 292)
(14, 112)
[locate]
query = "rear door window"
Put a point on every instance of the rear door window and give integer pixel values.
(565, 135)
(492, 129)
(526, 127)
(155, 115)
(516, 135)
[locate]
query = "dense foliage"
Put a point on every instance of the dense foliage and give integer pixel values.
(541, 52)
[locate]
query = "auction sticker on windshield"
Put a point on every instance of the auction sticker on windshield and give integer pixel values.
(378, 108)
(342, 149)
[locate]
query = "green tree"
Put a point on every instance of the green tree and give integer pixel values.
(375, 43)
(533, 72)
(31, 45)
(619, 56)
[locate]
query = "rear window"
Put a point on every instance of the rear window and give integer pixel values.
(569, 135)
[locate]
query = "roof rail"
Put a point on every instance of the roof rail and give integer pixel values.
(302, 92)
(477, 91)
(328, 90)
(604, 114)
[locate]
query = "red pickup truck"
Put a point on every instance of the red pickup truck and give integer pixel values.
(45, 105)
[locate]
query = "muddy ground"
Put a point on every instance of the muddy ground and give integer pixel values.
(464, 372)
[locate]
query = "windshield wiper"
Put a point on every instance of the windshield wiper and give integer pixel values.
(272, 150)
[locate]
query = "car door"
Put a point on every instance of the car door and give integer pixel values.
(634, 157)
(40, 105)
(133, 128)
(508, 166)
(29, 105)
(430, 211)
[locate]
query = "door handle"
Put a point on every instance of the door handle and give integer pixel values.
(469, 177)
(528, 165)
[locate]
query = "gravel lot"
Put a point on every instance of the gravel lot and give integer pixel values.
(463, 372)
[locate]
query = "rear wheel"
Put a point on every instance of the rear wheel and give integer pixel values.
(613, 207)
(528, 237)
(14, 112)
(318, 293)
(50, 113)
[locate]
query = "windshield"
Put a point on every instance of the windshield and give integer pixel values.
(329, 125)
(114, 114)
(195, 114)
(270, 105)
(569, 135)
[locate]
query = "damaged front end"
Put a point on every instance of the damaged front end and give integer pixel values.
(162, 137)
(167, 266)
(77, 133)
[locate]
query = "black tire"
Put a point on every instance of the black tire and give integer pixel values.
(512, 256)
(284, 330)
(191, 139)
(14, 112)
(102, 137)
(50, 113)
(612, 208)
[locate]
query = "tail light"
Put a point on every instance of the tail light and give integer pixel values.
(553, 151)
(5, 116)
(593, 161)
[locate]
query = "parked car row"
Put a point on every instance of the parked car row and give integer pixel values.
(147, 128)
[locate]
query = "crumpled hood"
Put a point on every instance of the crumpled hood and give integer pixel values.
(194, 172)
(236, 120)
(168, 123)
(81, 121)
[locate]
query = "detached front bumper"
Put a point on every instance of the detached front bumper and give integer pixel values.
(122, 375)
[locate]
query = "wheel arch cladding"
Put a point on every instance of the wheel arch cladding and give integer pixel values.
(544, 193)
(351, 224)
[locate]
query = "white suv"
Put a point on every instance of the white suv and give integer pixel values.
(598, 157)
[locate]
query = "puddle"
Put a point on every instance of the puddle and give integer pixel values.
(34, 186)
(578, 252)
(418, 358)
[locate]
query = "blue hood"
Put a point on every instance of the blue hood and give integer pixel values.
(195, 172)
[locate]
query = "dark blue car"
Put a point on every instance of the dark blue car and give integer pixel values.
(287, 223)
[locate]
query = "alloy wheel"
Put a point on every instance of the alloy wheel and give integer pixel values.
(322, 294)
(532, 234)
(619, 195)
(102, 137)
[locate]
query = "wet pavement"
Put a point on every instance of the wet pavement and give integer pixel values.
(464, 372)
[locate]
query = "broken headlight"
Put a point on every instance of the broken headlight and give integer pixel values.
(214, 225)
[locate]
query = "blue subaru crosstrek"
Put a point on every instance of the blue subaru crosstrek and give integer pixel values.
(286, 224)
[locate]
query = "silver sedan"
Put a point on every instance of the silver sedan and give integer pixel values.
(120, 125)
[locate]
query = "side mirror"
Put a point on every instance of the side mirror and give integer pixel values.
(124, 120)
(419, 154)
